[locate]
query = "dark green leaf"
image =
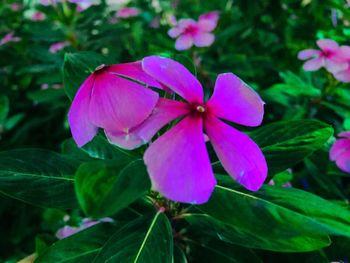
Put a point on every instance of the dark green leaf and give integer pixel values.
(284, 144)
(334, 217)
(81, 247)
(104, 188)
(145, 240)
(38, 177)
(273, 227)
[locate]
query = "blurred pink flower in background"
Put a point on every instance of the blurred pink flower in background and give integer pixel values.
(15, 7)
(331, 56)
(126, 12)
(190, 32)
(67, 231)
(9, 37)
(55, 47)
(83, 4)
(38, 16)
(340, 152)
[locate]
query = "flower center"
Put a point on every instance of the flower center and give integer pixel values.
(200, 108)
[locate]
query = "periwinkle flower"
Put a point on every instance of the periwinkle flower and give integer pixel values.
(190, 32)
(178, 162)
(127, 12)
(331, 56)
(38, 16)
(9, 37)
(340, 152)
(110, 98)
(55, 47)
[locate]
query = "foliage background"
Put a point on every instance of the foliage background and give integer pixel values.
(257, 40)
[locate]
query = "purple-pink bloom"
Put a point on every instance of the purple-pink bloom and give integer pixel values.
(127, 12)
(340, 152)
(110, 99)
(38, 16)
(67, 231)
(9, 37)
(15, 7)
(190, 32)
(178, 162)
(331, 56)
(55, 47)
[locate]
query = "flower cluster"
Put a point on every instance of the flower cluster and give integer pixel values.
(331, 56)
(117, 98)
(190, 32)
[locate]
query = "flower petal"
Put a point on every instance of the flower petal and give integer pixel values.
(235, 101)
(203, 39)
(174, 32)
(184, 42)
(335, 66)
(165, 111)
(120, 104)
(340, 147)
(240, 156)
(327, 44)
(179, 165)
(134, 71)
(208, 21)
(313, 64)
(174, 76)
(343, 76)
(82, 129)
(308, 53)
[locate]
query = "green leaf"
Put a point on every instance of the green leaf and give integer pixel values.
(221, 252)
(98, 148)
(147, 240)
(334, 217)
(4, 109)
(77, 67)
(104, 188)
(79, 248)
(284, 144)
(263, 224)
(293, 88)
(38, 177)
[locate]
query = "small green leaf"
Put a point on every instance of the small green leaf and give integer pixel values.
(38, 177)
(104, 188)
(144, 240)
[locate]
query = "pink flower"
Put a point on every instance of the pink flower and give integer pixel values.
(178, 162)
(340, 152)
(67, 231)
(331, 56)
(83, 4)
(38, 16)
(55, 47)
(127, 12)
(9, 37)
(190, 32)
(107, 99)
(15, 7)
